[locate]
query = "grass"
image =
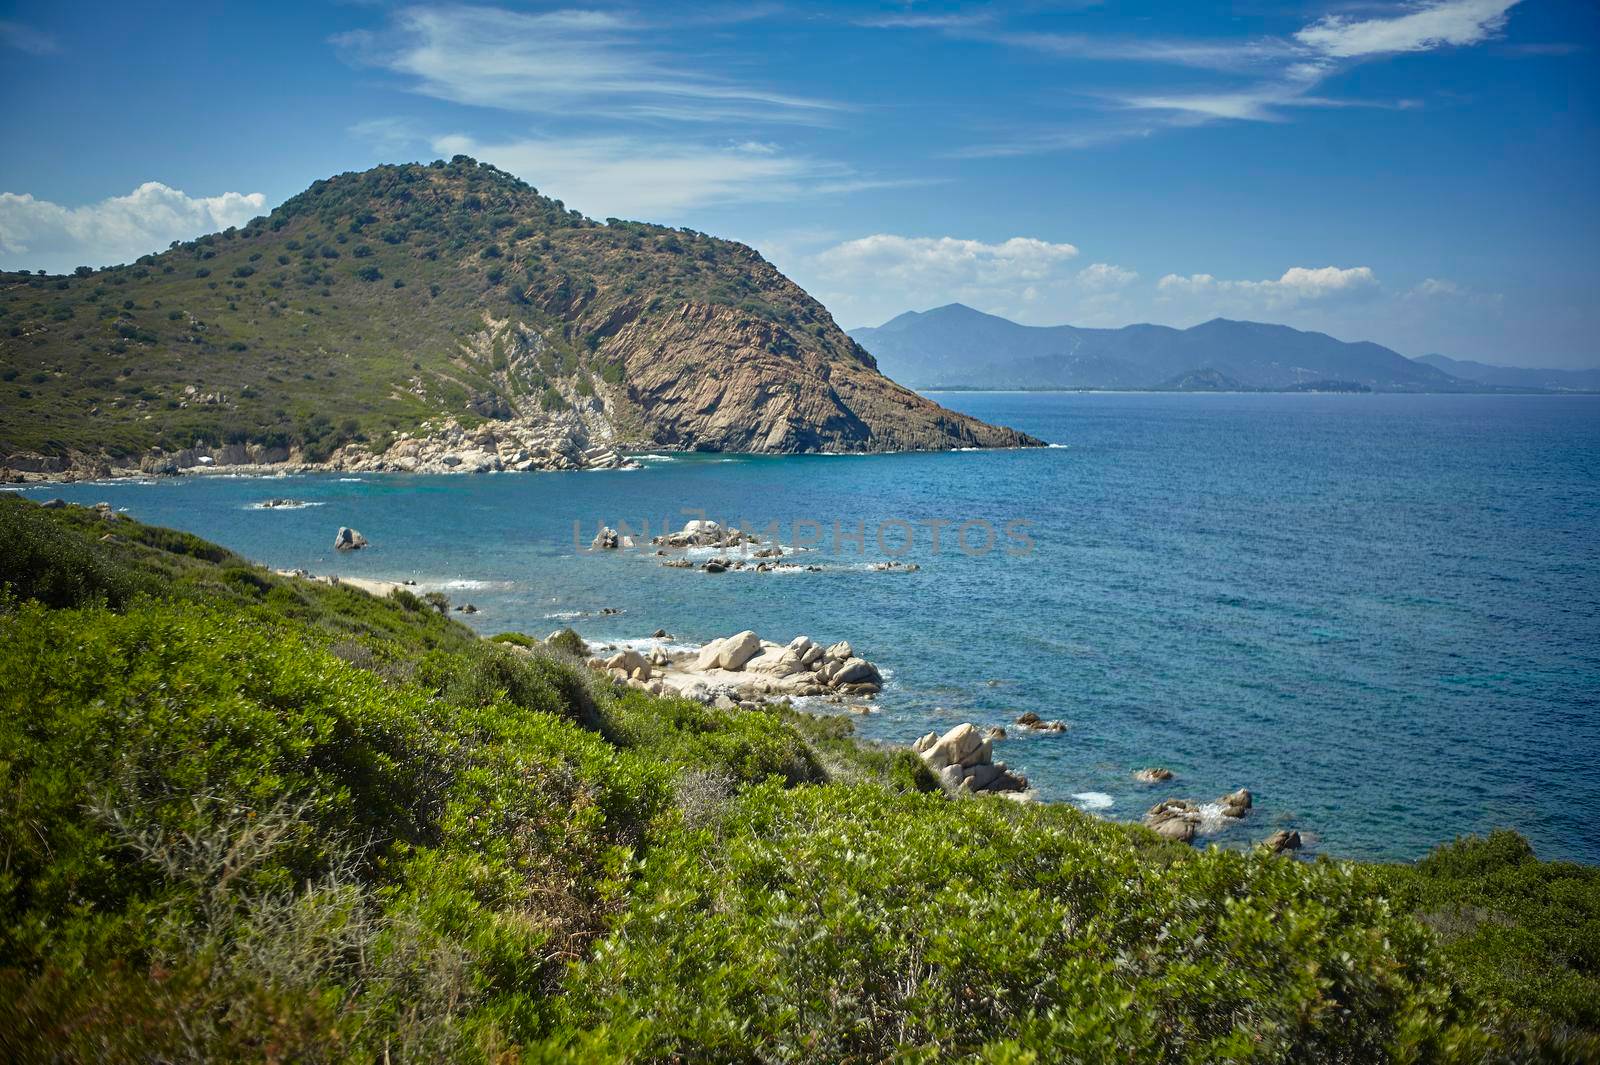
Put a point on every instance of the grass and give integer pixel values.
(248, 817)
(363, 307)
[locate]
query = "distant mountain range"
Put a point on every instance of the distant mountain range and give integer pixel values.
(958, 347)
(1516, 376)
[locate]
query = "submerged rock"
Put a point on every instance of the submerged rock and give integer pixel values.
(1182, 820)
(1033, 721)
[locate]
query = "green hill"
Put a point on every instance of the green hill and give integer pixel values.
(250, 817)
(390, 301)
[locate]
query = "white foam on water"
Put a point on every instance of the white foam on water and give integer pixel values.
(350, 480)
(466, 584)
(1094, 800)
(1212, 819)
(1048, 446)
(649, 643)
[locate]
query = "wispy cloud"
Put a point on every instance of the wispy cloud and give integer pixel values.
(1425, 27)
(564, 62)
(27, 39)
(1323, 49)
(1281, 74)
(1207, 55)
(40, 235)
(630, 177)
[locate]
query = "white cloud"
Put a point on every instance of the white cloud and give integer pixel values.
(38, 234)
(1435, 286)
(563, 63)
(627, 177)
(873, 278)
(1427, 26)
(1298, 284)
(1441, 290)
(943, 260)
(1103, 277)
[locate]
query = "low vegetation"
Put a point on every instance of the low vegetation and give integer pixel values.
(248, 817)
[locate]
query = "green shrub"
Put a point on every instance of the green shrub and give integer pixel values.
(568, 642)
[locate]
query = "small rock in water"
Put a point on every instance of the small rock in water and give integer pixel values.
(1153, 775)
(608, 539)
(347, 539)
(1033, 721)
(1174, 819)
(1285, 839)
(1234, 804)
(995, 732)
(660, 634)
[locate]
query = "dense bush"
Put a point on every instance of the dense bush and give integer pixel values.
(248, 817)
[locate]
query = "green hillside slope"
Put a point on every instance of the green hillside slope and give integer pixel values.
(375, 303)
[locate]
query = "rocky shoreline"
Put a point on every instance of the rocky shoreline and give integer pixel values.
(743, 671)
(445, 447)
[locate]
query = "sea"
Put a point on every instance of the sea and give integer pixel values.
(1379, 613)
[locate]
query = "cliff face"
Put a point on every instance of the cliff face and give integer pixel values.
(709, 378)
(375, 305)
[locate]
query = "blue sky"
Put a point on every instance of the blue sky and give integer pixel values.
(1419, 174)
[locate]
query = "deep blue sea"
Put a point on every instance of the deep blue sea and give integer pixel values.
(1381, 613)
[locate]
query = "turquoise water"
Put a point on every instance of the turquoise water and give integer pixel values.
(1380, 613)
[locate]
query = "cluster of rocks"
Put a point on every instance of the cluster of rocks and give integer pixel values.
(563, 440)
(271, 504)
(1034, 723)
(894, 567)
(963, 759)
(104, 511)
(743, 667)
(1182, 820)
(347, 539)
(549, 442)
(707, 533)
(608, 539)
(723, 565)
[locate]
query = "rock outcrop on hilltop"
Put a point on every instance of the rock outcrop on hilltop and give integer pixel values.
(438, 319)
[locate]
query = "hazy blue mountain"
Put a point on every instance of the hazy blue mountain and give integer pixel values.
(957, 346)
(1515, 376)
